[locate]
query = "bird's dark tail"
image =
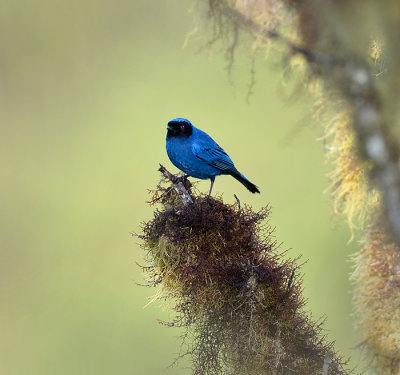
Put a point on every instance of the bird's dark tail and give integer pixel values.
(249, 185)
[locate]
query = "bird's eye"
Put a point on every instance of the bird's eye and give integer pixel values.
(182, 127)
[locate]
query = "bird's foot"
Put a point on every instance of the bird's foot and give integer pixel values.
(184, 180)
(181, 178)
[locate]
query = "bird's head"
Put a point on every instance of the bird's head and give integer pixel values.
(179, 127)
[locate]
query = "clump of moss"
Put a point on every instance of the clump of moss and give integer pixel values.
(237, 296)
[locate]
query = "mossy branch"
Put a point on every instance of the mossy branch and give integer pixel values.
(237, 296)
(353, 77)
(351, 51)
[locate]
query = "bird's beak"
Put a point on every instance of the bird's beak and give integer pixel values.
(171, 130)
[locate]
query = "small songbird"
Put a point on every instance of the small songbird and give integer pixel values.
(195, 153)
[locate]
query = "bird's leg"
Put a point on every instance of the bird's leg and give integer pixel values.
(237, 200)
(212, 183)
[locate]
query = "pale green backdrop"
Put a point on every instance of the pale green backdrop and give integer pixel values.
(87, 88)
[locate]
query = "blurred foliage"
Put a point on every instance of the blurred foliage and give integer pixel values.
(86, 90)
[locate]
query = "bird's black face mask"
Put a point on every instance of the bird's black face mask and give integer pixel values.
(179, 129)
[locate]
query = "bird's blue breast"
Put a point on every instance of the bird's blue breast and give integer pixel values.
(181, 154)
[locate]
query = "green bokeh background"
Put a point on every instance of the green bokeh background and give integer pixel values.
(86, 90)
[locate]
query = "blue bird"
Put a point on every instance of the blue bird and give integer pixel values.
(195, 153)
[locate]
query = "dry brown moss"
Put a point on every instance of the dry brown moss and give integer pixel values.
(238, 297)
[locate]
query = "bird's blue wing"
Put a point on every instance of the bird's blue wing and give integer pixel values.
(211, 153)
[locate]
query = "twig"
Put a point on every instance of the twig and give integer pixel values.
(178, 185)
(310, 55)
